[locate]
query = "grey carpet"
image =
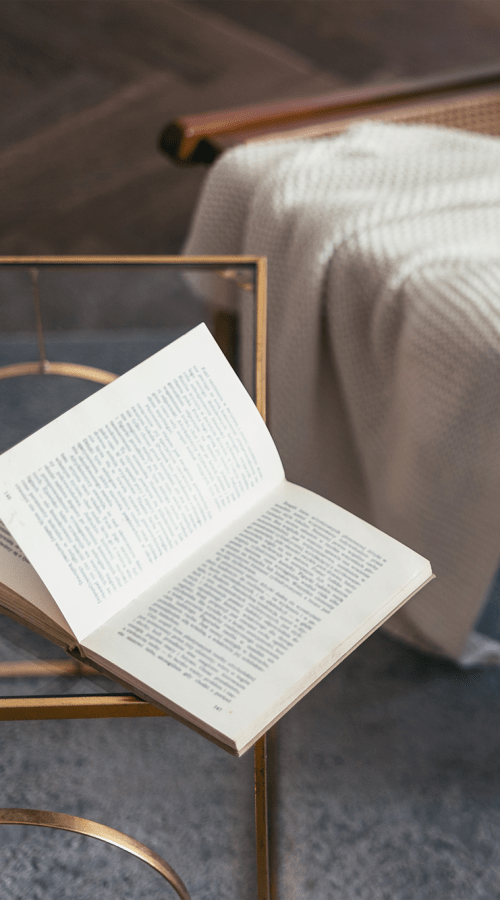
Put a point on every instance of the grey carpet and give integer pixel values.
(389, 785)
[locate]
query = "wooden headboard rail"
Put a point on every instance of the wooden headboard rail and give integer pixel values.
(201, 137)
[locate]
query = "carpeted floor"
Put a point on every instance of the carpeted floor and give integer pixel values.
(389, 791)
(389, 788)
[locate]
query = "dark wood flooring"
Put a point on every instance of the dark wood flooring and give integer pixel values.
(376, 40)
(86, 86)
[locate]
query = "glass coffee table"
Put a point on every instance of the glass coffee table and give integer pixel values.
(88, 320)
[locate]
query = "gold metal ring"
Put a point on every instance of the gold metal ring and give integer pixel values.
(73, 370)
(101, 833)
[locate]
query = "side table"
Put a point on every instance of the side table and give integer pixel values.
(156, 299)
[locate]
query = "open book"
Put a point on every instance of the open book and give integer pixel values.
(166, 546)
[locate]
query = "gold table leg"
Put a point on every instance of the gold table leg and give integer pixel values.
(265, 772)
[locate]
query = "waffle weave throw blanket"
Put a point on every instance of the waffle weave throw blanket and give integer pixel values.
(384, 338)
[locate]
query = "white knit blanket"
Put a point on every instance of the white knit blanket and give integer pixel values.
(384, 338)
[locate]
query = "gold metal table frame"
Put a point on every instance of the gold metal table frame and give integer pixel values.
(77, 825)
(127, 705)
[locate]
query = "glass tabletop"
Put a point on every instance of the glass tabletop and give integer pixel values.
(68, 325)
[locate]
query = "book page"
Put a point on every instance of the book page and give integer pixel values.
(259, 619)
(126, 485)
(17, 574)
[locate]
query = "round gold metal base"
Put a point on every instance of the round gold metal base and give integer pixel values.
(101, 833)
(73, 370)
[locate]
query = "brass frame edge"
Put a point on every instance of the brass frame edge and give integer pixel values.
(262, 839)
(261, 335)
(262, 819)
(208, 260)
(71, 370)
(34, 668)
(93, 706)
(63, 822)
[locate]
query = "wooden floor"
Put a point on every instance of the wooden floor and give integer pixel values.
(86, 86)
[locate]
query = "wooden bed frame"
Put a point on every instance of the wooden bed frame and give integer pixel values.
(468, 100)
